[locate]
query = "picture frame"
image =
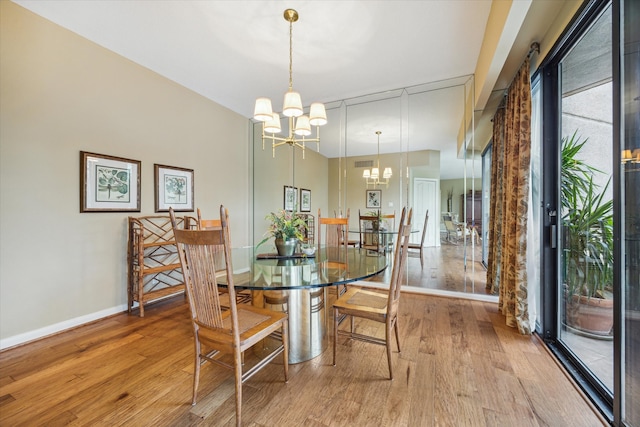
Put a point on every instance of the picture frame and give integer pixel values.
(305, 200)
(173, 188)
(373, 199)
(109, 183)
(290, 198)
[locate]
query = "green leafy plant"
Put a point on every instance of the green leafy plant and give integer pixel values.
(588, 225)
(285, 225)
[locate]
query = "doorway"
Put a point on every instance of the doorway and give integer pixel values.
(425, 198)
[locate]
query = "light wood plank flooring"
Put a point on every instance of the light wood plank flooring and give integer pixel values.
(459, 366)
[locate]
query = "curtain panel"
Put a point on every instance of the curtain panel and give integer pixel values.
(510, 180)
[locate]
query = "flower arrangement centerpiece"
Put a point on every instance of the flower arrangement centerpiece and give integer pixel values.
(288, 229)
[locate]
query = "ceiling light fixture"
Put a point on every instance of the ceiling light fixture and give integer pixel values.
(292, 108)
(372, 177)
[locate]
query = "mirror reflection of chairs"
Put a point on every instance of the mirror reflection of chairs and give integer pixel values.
(369, 231)
(219, 332)
(420, 246)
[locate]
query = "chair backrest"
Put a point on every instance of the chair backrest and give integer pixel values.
(424, 228)
(399, 261)
(204, 224)
(201, 252)
(368, 238)
(336, 230)
(450, 226)
(390, 220)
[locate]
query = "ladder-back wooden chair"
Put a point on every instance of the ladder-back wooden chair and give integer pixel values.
(334, 239)
(350, 242)
(369, 236)
(420, 246)
(376, 306)
(390, 221)
(243, 296)
(215, 330)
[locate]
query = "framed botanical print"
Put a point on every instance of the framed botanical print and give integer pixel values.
(108, 183)
(290, 198)
(305, 200)
(174, 188)
(374, 199)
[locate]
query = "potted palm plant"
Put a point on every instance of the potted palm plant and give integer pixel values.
(588, 243)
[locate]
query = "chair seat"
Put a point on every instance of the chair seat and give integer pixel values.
(254, 324)
(363, 303)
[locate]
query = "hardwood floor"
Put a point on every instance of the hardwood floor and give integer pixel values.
(459, 366)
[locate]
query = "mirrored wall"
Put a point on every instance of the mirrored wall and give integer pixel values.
(423, 137)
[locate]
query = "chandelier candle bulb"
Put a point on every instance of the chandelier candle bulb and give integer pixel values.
(263, 111)
(273, 125)
(303, 128)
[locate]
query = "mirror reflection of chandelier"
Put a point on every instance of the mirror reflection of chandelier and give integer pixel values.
(372, 177)
(292, 108)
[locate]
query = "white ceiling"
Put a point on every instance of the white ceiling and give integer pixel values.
(235, 51)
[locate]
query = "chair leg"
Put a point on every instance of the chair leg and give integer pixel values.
(336, 315)
(395, 326)
(285, 352)
(238, 375)
(387, 333)
(421, 259)
(196, 371)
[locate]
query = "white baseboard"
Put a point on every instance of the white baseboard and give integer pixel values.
(59, 327)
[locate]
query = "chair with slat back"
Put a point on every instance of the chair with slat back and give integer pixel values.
(350, 242)
(420, 246)
(369, 236)
(390, 220)
(334, 239)
(217, 331)
(243, 296)
(376, 306)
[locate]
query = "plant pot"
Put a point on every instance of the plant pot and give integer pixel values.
(591, 315)
(286, 247)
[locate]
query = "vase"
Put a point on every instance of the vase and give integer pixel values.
(286, 247)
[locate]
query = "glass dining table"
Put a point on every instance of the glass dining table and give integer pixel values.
(298, 285)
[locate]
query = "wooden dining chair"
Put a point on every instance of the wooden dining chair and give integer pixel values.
(420, 246)
(390, 220)
(350, 242)
(243, 296)
(369, 237)
(334, 239)
(376, 306)
(216, 331)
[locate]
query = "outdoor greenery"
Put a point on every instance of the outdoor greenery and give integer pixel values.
(588, 224)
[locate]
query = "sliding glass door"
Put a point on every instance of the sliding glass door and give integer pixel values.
(586, 194)
(591, 176)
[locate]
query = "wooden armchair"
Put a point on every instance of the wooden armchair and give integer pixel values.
(376, 306)
(217, 331)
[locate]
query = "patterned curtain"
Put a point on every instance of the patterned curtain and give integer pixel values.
(510, 175)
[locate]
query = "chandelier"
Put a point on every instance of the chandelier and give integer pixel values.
(299, 124)
(372, 177)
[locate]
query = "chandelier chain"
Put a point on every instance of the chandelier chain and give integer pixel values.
(290, 55)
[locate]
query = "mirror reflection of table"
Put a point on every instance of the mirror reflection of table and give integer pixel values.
(301, 283)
